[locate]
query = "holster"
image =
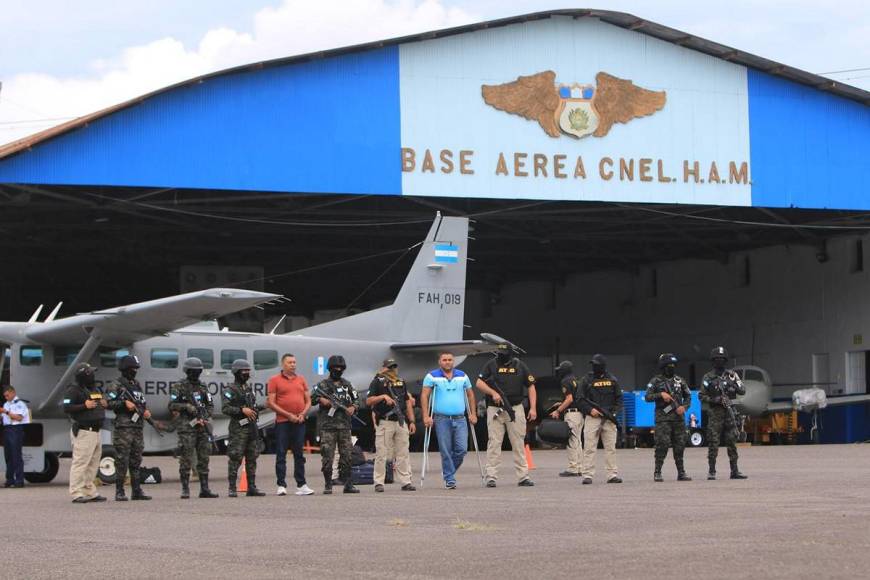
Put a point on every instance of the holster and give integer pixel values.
(75, 430)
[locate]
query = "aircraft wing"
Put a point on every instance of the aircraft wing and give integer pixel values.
(459, 348)
(126, 324)
(848, 400)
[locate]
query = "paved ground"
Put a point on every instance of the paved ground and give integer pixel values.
(804, 513)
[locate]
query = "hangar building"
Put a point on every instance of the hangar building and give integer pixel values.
(634, 189)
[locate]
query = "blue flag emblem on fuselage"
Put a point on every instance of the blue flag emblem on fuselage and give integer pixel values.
(319, 366)
(446, 253)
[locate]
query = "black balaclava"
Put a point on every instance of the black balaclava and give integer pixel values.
(504, 354)
(193, 374)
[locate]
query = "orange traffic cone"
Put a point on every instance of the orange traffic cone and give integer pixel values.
(529, 460)
(243, 478)
(310, 448)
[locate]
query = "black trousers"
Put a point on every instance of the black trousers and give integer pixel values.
(13, 445)
(292, 436)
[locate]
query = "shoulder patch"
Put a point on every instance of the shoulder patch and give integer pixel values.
(173, 396)
(228, 395)
(67, 401)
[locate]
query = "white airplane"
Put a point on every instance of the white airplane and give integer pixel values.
(426, 317)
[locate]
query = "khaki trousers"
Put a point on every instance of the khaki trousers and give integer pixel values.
(574, 419)
(86, 453)
(594, 428)
(497, 424)
(392, 441)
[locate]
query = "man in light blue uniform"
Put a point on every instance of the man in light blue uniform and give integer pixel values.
(449, 388)
(15, 416)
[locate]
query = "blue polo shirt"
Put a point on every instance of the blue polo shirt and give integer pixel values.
(449, 393)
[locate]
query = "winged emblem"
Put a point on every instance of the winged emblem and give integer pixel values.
(575, 110)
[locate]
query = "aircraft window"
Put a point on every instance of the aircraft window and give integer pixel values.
(65, 355)
(164, 358)
(228, 356)
(110, 358)
(753, 375)
(206, 355)
(30, 356)
(265, 359)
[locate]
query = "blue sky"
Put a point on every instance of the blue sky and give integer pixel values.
(60, 59)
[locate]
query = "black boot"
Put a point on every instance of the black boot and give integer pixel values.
(735, 473)
(185, 486)
(137, 487)
(711, 474)
(119, 489)
(232, 491)
(327, 486)
(204, 491)
(657, 474)
(681, 472)
(252, 487)
(349, 488)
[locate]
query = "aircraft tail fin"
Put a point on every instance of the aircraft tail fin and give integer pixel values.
(431, 303)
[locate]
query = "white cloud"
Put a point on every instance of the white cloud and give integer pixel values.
(294, 27)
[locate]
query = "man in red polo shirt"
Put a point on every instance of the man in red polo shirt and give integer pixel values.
(289, 397)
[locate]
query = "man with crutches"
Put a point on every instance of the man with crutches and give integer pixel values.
(446, 398)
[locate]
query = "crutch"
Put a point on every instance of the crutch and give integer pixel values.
(474, 440)
(426, 439)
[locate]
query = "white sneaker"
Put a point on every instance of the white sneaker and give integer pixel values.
(281, 490)
(304, 490)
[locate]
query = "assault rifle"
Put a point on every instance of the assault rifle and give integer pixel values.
(336, 404)
(676, 400)
(725, 400)
(202, 415)
(251, 403)
(601, 411)
(126, 395)
(505, 403)
(397, 409)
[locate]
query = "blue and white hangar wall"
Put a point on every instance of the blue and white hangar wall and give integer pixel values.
(555, 109)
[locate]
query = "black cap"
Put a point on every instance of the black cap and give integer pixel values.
(564, 367)
(390, 363)
(598, 359)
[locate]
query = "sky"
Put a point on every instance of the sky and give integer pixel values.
(60, 59)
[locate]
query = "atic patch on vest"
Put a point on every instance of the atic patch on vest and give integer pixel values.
(228, 395)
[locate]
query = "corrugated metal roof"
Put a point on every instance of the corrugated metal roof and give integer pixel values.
(621, 19)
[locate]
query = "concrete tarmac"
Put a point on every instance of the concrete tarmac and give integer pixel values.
(803, 513)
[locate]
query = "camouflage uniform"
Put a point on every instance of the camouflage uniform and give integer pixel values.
(670, 426)
(182, 396)
(717, 390)
(244, 437)
(334, 429)
(127, 437)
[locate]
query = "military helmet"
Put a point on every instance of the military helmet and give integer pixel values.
(128, 362)
(719, 352)
(565, 367)
(192, 363)
(85, 370)
(666, 359)
(336, 361)
(598, 359)
(240, 364)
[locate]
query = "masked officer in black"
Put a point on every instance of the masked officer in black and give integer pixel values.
(573, 417)
(718, 387)
(600, 396)
(85, 404)
(191, 402)
(334, 424)
(510, 375)
(127, 438)
(240, 405)
(672, 397)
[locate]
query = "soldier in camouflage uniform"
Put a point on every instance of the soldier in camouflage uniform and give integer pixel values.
(334, 424)
(718, 387)
(240, 405)
(672, 397)
(127, 437)
(186, 398)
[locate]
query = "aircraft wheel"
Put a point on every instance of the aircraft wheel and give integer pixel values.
(697, 439)
(107, 471)
(52, 465)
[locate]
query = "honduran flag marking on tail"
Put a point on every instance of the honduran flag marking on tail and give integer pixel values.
(446, 253)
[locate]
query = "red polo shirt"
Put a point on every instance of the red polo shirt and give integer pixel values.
(289, 393)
